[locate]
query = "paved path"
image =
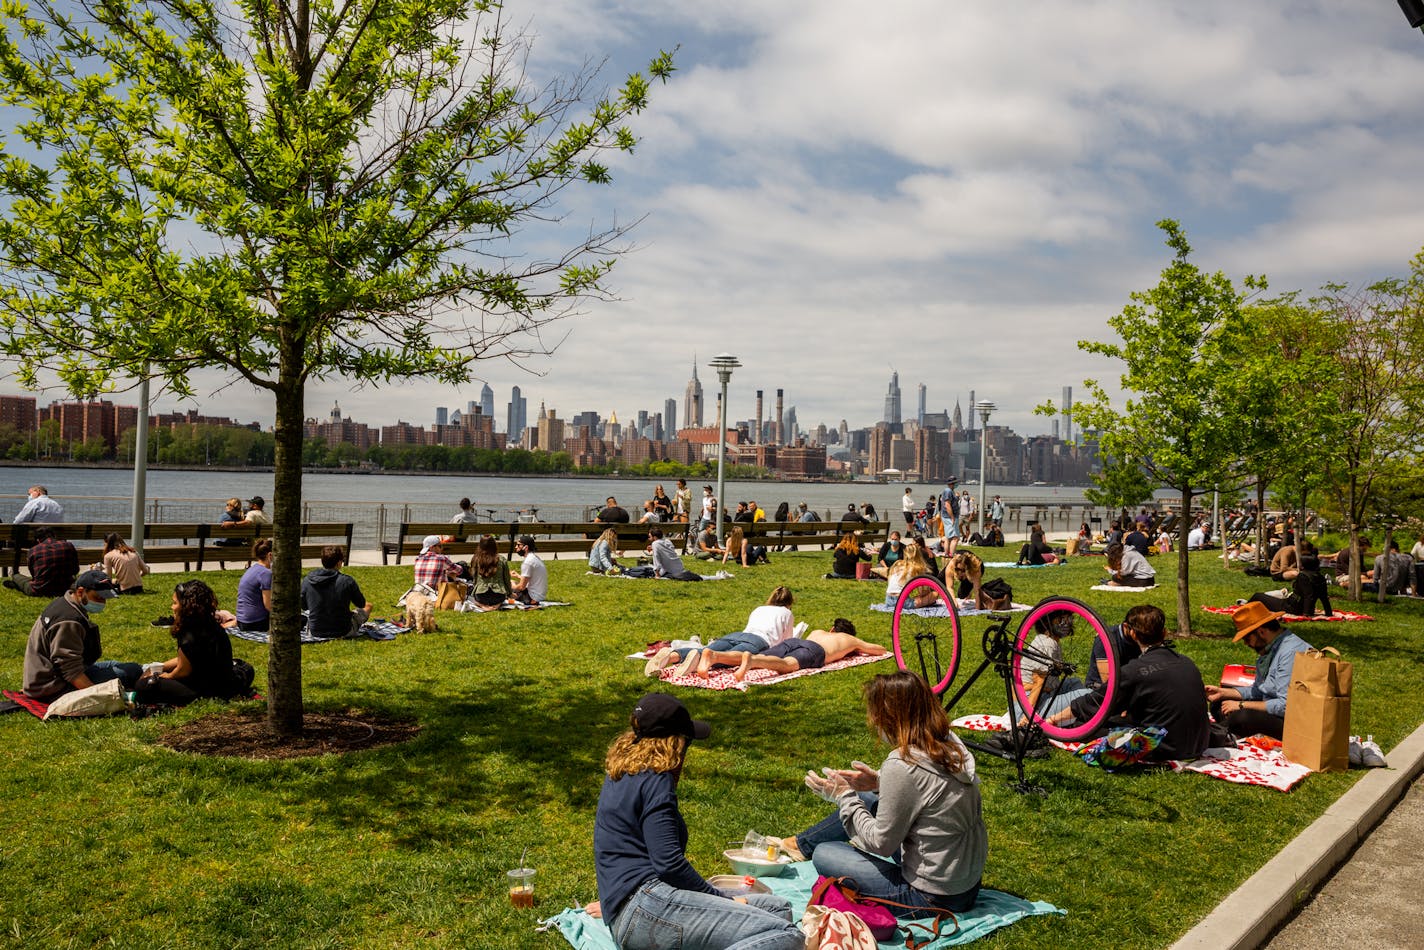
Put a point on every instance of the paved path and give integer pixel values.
(1370, 901)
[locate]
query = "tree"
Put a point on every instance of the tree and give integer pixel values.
(291, 191)
(1380, 394)
(1179, 344)
(1121, 484)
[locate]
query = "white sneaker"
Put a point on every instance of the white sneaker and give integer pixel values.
(688, 664)
(660, 661)
(1371, 755)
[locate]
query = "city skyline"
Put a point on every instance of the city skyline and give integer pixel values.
(958, 195)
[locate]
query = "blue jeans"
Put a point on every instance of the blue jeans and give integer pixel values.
(751, 642)
(658, 916)
(1071, 689)
(105, 670)
(828, 846)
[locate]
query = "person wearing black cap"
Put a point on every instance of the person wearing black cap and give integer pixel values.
(62, 653)
(255, 512)
(949, 516)
(649, 895)
(531, 586)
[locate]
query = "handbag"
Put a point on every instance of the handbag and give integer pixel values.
(1317, 727)
(450, 594)
(101, 699)
(829, 929)
(838, 893)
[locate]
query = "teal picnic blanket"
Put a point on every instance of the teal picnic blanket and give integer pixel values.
(993, 910)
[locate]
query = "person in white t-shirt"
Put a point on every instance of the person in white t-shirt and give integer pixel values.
(907, 508)
(1196, 538)
(532, 584)
(767, 626)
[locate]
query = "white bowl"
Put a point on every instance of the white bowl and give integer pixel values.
(736, 884)
(755, 863)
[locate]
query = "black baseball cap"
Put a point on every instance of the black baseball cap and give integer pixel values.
(96, 581)
(658, 716)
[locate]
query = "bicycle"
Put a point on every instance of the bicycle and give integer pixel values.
(1036, 683)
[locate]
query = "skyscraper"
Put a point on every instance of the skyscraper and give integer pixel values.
(920, 407)
(971, 411)
(892, 400)
(487, 401)
(1067, 409)
(670, 419)
(516, 416)
(442, 415)
(692, 400)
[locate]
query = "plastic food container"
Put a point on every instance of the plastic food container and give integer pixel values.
(755, 863)
(738, 884)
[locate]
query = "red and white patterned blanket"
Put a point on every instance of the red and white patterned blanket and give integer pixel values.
(1339, 615)
(1245, 765)
(721, 678)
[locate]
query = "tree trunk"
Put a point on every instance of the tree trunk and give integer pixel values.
(284, 657)
(1184, 609)
(1382, 583)
(1261, 521)
(1355, 558)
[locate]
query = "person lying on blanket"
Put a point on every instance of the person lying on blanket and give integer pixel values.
(650, 896)
(766, 626)
(1308, 588)
(1128, 567)
(811, 652)
(1158, 688)
(917, 823)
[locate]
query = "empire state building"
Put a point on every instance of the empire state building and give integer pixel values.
(692, 400)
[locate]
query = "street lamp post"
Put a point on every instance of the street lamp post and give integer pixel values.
(723, 363)
(984, 407)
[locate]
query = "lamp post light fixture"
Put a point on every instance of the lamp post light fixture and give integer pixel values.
(984, 407)
(723, 363)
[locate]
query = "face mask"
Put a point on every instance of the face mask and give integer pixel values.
(93, 607)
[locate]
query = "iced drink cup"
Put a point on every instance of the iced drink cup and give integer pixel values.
(521, 887)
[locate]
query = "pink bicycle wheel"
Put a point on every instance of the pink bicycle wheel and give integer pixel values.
(1082, 641)
(930, 642)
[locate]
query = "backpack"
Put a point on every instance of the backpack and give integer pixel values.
(242, 677)
(995, 594)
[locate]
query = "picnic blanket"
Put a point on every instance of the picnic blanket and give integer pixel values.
(965, 608)
(719, 576)
(1337, 616)
(1247, 764)
(993, 910)
(721, 678)
(34, 707)
(1113, 589)
(371, 630)
(469, 606)
(1015, 564)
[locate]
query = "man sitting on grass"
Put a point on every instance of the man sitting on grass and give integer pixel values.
(62, 653)
(327, 594)
(811, 652)
(1261, 707)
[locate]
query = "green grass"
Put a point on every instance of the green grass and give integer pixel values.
(108, 838)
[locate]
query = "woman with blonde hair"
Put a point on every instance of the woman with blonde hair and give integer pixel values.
(123, 565)
(911, 565)
(649, 895)
(603, 558)
(919, 814)
(742, 551)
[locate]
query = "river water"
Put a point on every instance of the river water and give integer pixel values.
(378, 503)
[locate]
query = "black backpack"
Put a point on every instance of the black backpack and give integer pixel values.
(995, 594)
(242, 677)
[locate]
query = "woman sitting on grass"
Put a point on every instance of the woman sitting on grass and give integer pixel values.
(742, 551)
(1308, 588)
(846, 555)
(909, 567)
(602, 558)
(919, 815)
(649, 895)
(1036, 550)
(203, 666)
(254, 591)
(123, 565)
(491, 576)
(1129, 568)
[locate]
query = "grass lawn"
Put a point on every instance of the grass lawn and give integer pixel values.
(107, 838)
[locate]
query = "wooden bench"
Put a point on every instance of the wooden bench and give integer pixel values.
(793, 534)
(185, 544)
(553, 538)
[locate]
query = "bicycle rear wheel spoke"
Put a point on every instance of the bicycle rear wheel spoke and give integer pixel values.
(936, 638)
(1063, 641)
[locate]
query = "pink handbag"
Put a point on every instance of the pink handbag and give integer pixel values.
(829, 891)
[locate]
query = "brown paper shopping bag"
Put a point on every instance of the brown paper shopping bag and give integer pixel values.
(1317, 728)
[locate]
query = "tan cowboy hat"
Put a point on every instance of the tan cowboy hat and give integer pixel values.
(1251, 616)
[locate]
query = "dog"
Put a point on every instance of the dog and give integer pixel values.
(420, 613)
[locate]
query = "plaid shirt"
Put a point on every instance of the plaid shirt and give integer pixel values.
(54, 564)
(432, 568)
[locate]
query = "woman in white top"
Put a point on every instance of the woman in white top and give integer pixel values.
(767, 626)
(1129, 568)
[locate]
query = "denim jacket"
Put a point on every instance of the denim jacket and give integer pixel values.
(1273, 672)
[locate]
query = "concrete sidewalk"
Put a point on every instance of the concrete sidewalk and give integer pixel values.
(1374, 836)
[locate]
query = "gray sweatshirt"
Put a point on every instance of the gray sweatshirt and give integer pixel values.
(932, 816)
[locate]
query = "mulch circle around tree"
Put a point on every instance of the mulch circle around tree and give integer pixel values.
(246, 735)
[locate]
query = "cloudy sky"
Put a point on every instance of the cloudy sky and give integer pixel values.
(959, 192)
